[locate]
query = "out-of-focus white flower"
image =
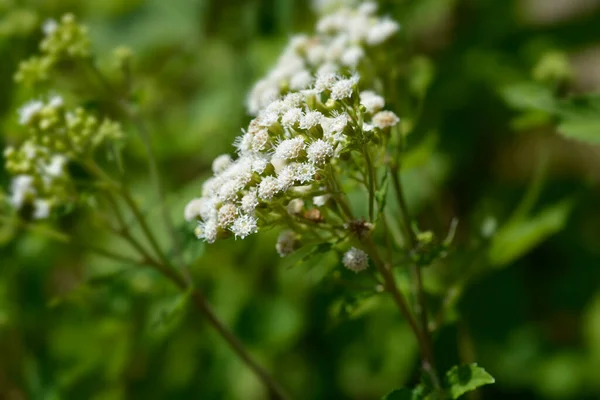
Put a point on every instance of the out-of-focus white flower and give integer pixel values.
(321, 200)
(355, 260)
(286, 243)
(29, 110)
(21, 187)
(371, 101)
(385, 119)
(41, 208)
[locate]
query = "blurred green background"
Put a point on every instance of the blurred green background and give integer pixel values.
(79, 327)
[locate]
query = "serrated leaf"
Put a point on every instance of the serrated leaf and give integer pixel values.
(521, 236)
(466, 378)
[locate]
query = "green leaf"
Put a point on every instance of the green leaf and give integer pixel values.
(466, 378)
(422, 73)
(580, 118)
(528, 96)
(519, 237)
(399, 394)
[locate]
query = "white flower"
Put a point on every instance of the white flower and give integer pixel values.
(311, 119)
(295, 206)
(290, 149)
(352, 56)
(286, 177)
(268, 118)
(268, 188)
(356, 260)
(56, 101)
(259, 164)
(29, 110)
(381, 31)
(371, 101)
(21, 187)
(221, 163)
(291, 117)
(41, 209)
(249, 202)
(207, 230)
(243, 143)
(325, 81)
(320, 201)
(344, 88)
(293, 100)
(385, 119)
(193, 209)
(49, 26)
(286, 243)
(301, 80)
(229, 190)
(227, 214)
(319, 151)
(367, 127)
(367, 8)
(260, 140)
(305, 172)
(244, 226)
(56, 166)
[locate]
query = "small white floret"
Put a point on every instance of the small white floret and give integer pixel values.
(286, 243)
(355, 260)
(244, 226)
(385, 119)
(319, 151)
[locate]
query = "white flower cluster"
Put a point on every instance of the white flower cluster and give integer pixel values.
(343, 39)
(355, 260)
(286, 148)
(39, 180)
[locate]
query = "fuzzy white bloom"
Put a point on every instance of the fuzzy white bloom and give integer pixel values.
(319, 151)
(295, 206)
(249, 202)
(301, 80)
(41, 209)
(311, 119)
(268, 188)
(385, 119)
(259, 164)
(227, 214)
(56, 167)
(56, 101)
(49, 26)
(290, 149)
(21, 187)
(320, 201)
(382, 31)
(325, 81)
(352, 56)
(367, 127)
(293, 100)
(260, 140)
(305, 172)
(286, 243)
(243, 143)
(221, 163)
(344, 88)
(287, 176)
(367, 8)
(291, 117)
(193, 209)
(207, 230)
(29, 110)
(244, 226)
(371, 101)
(355, 260)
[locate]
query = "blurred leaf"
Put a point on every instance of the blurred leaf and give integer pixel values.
(517, 238)
(580, 118)
(529, 95)
(465, 378)
(400, 394)
(422, 73)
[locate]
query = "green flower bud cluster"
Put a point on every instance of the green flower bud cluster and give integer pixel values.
(57, 136)
(63, 41)
(74, 134)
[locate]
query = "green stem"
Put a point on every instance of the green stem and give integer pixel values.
(371, 174)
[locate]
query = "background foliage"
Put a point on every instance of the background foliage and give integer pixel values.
(485, 150)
